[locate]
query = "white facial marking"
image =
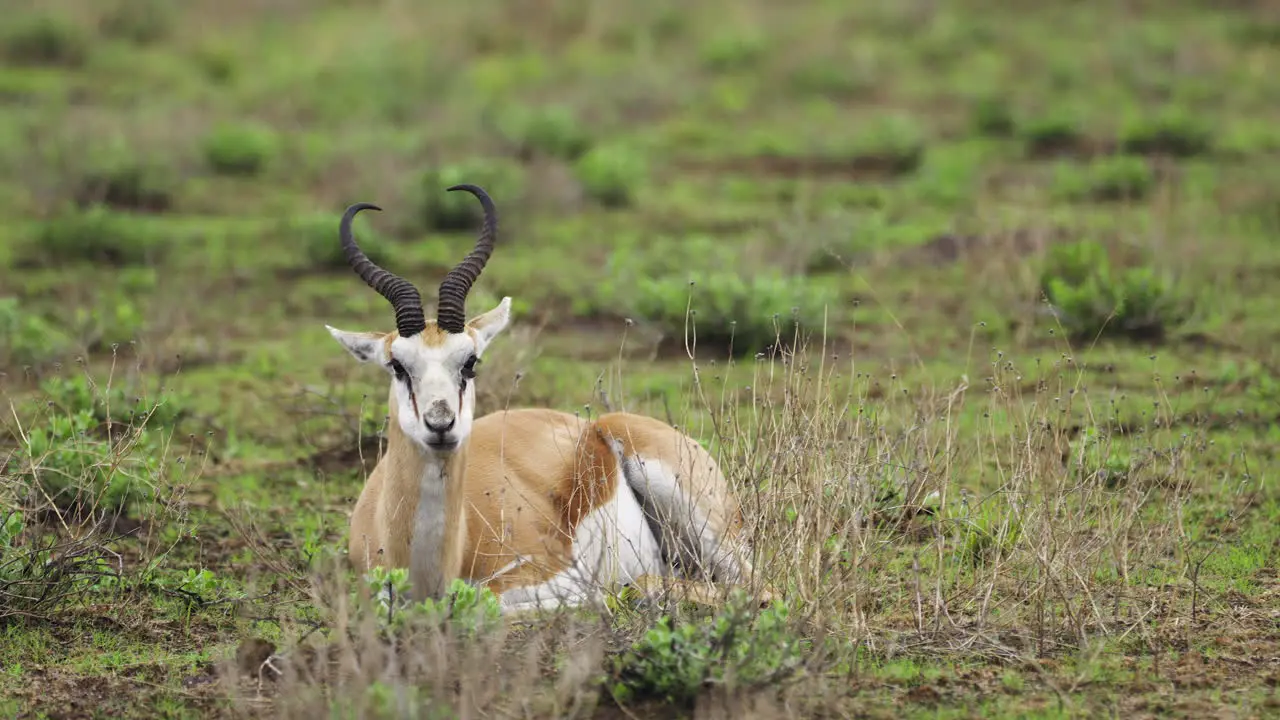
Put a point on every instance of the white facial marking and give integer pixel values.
(433, 375)
(435, 393)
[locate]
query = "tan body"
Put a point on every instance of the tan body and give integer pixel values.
(529, 478)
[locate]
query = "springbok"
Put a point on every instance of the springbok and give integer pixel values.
(545, 508)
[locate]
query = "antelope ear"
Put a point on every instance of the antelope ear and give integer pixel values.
(488, 325)
(363, 346)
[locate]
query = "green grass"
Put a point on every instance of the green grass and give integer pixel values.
(1022, 463)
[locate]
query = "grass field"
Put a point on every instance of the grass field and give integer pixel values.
(1016, 459)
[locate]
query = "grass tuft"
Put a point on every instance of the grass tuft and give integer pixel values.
(1051, 135)
(1110, 179)
(240, 149)
(95, 234)
(317, 235)
(993, 117)
(27, 337)
(1172, 132)
(1092, 300)
(724, 312)
(125, 184)
(45, 39)
(142, 22)
(733, 51)
(612, 174)
(445, 211)
(550, 130)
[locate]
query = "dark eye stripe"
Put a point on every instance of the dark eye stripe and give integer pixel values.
(398, 369)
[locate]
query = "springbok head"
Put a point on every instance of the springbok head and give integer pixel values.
(432, 363)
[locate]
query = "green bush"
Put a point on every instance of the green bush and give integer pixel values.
(125, 183)
(724, 309)
(98, 450)
(993, 117)
(244, 149)
(94, 234)
(117, 403)
(111, 320)
(11, 526)
(987, 535)
(1109, 179)
(36, 574)
(138, 21)
(829, 78)
(1051, 135)
(674, 662)
(552, 130)
(732, 51)
(1170, 132)
(894, 144)
(1091, 299)
(76, 471)
(611, 174)
(26, 337)
(40, 39)
(90, 454)
(464, 610)
(318, 236)
(718, 304)
(1251, 29)
(218, 62)
(454, 211)
(877, 232)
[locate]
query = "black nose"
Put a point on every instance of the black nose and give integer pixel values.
(440, 429)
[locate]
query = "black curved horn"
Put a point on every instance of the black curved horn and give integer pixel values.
(451, 310)
(401, 293)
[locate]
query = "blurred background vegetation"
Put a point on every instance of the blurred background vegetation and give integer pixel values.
(926, 189)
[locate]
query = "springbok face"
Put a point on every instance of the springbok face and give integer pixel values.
(433, 364)
(433, 374)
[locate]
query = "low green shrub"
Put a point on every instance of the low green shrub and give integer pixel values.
(240, 149)
(98, 450)
(44, 39)
(124, 183)
(993, 117)
(1171, 131)
(1051, 134)
(723, 310)
(552, 130)
(318, 237)
(465, 610)
(744, 311)
(455, 211)
(41, 573)
(894, 144)
(674, 662)
(94, 234)
(612, 174)
(1108, 179)
(91, 463)
(141, 22)
(733, 51)
(988, 533)
(1092, 299)
(113, 319)
(825, 77)
(26, 337)
(217, 61)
